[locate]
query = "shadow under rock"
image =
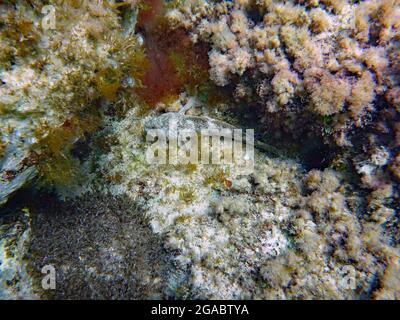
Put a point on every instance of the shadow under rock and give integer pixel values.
(101, 248)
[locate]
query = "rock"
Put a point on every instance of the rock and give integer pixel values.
(15, 280)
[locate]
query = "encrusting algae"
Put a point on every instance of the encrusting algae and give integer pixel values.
(318, 80)
(61, 75)
(175, 64)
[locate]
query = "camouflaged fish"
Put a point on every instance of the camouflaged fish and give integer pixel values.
(181, 121)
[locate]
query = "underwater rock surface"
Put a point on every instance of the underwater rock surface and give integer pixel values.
(277, 233)
(15, 279)
(318, 81)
